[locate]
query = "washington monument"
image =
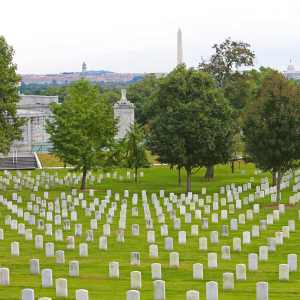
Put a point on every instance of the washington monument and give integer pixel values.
(179, 47)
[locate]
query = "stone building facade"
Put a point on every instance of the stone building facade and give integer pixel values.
(124, 112)
(36, 110)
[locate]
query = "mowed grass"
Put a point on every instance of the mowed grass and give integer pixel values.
(49, 161)
(94, 268)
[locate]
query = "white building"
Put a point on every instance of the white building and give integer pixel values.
(36, 110)
(124, 112)
(291, 72)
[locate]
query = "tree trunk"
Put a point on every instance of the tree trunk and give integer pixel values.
(232, 166)
(188, 179)
(179, 176)
(278, 186)
(83, 180)
(274, 179)
(209, 172)
(136, 175)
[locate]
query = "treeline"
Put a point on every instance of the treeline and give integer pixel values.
(191, 118)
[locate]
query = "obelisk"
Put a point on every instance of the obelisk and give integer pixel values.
(179, 47)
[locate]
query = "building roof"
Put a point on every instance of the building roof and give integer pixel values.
(27, 101)
(30, 113)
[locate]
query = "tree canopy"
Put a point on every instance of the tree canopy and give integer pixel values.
(10, 123)
(192, 125)
(82, 129)
(228, 56)
(141, 94)
(272, 125)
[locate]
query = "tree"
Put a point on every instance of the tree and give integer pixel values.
(272, 126)
(192, 125)
(141, 94)
(82, 128)
(10, 123)
(228, 56)
(135, 149)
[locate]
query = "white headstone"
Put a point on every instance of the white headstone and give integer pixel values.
(159, 290)
(292, 261)
(133, 295)
(60, 256)
(35, 266)
(212, 290)
(197, 271)
(114, 270)
(284, 272)
(82, 294)
(136, 280)
(61, 287)
(4, 276)
(212, 260)
(192, 295)
(153, 251)
(74, 268)
(262, 291)
(240, 272)
(174, 260)
(47, 280)
(27, 294)
(252, 262)
(156, 271)
(228, 281)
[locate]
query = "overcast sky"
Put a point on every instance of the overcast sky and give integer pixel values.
(52, 36)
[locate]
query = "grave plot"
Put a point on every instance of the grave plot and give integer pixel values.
(59, 243)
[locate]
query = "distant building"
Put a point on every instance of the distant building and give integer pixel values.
(124, 112)
(83, 68)
(179, 48)
(291, 72)
(36, 110)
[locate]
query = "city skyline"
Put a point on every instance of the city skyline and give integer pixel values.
(140, 37)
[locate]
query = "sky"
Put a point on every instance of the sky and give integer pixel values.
(51, 36)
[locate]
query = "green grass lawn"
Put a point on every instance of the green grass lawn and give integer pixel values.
(94, 268)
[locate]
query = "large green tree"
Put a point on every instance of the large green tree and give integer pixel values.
(272, 125)
(228, 57)
(192, 125)
(10, 124)
(82, 128)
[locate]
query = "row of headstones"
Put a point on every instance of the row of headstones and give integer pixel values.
(61, 291)
(174, 256)
(46, 182)
(93, 222)
(153, 248)
(214, 237)
(174, 262)
(135, 227)
(168, 240)
(61, 285)
(262, 290)
(46, 196)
